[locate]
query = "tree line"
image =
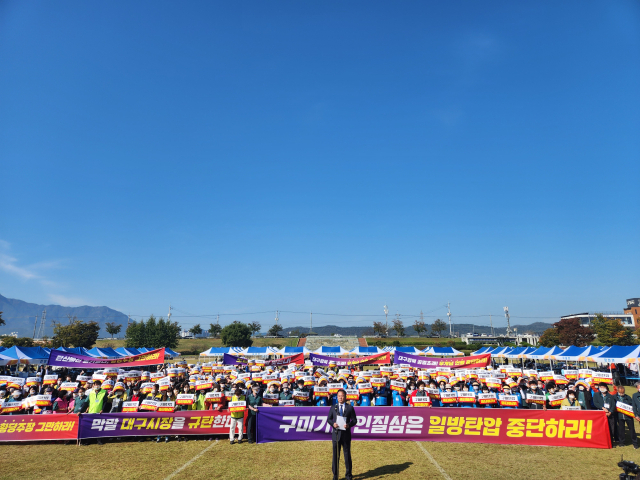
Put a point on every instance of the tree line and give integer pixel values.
(420, 327)
(603, 330)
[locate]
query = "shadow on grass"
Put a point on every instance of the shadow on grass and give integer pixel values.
(384, 470)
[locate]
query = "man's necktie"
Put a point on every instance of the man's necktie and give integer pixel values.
(341, 412)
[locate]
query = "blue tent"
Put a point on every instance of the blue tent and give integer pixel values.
(219, 351)
(171, 353)
(288, 351)
(364, 351)
(615, 354)
(331, 351)
(103, 353)
(76, 350)
(127, 352)
(539, 353)
(482, 350)
(27, 355)
(442, 352)
(409, 350)
(571, 353)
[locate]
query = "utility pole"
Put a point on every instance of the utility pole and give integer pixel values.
(506, 314)
(449, 315)
(128, 320)
(169, 316)
(35, 325)
(491, 323)
(386, 313)
(277, 317)
(310, 322)
(43, 320)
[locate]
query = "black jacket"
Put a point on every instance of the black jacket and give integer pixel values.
(599, 400)
(626, 399)
(351, 419)
(635, 401)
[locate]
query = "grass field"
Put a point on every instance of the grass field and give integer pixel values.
(306, 460)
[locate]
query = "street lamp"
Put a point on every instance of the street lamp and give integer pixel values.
(386, 313)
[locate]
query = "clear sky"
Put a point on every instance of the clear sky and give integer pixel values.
(239, 157)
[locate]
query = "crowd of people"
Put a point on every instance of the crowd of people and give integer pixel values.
(250, 386)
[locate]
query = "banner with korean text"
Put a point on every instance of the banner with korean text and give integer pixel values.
(297, 359)
(30, 428)
(416, 361)
(60, 358)
(586, 428)
(325, 361)
(195, 422)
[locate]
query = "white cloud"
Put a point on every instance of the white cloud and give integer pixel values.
(34, 272)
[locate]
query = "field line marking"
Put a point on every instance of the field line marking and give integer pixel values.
(433, 460)
(192, 460)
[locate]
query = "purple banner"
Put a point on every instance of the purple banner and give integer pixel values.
(195, 422)
(585, 428)
(278, 424)
(416, 361)
(60, 358)
(325, 361)
(231, 360)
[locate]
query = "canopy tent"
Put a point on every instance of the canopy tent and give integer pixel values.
(500, 351)
(257, 351)
(4, 360)
(515, 352)
(538, 353)
(572, 353)
(220, 351)
(591, 350)
(616, 354)
(76, 350)
(442, 352)
(288, 351)
(409, 350)
(2, 349)
(482, 350)
(331, 351)
(103, 353)
(127, 352)
(26, 355)
(170, 352)
(365, 351)
(552, 352)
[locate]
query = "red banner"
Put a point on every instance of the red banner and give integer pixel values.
(25, 428)
(297, 359)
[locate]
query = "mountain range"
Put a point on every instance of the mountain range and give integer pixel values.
(19, 316)
(459, 329)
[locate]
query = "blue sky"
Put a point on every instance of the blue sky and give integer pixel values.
(239, 157)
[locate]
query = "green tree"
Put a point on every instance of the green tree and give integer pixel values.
(215, 329)
(419, 326)
(610, 331)
(9, 342)
(398, 327)
(236, 334)
(550, 338)
(152, 333)
(379, 329)
(75, 334)
(438, 327)
(1, 319)
(196, 330)
(255, 327)
(113, 328)
(275, 330)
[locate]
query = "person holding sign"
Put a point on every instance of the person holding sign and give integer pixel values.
(254, 400)
(237, 418)
(570, 401)
(603, 400)
(342, 417)
(624, 412)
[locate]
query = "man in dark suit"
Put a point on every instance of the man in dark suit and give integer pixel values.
(342, 438)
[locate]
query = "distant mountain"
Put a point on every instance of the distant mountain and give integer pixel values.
(459, 329)
(19, 316)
